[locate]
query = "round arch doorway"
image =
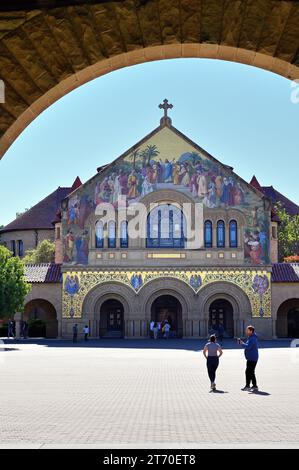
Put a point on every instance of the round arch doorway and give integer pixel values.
(287, 325)
(168, 307)
(43, 310)
(222, 313)
(293, 322)
(111, 323)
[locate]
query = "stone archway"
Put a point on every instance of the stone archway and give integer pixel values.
(221, 318)
(179, 291)
(167, 308)
(234, 296)
(287, 323)
(110, 318)
(98, 296)
(46, 53)
(44, 311)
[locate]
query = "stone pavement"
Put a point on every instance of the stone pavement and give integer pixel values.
(120, 393)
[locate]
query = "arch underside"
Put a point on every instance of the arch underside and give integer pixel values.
(45, 54)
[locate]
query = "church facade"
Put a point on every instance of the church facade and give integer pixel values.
(202, 254)
(167, 232)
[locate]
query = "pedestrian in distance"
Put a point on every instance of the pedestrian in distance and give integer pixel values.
(75, 333)
(24, 329)
(86, 332)
(166, 329)
(212, 352)
(10, 329)
(152, 323)
(252, 355)
(156, 330)
(220, 332)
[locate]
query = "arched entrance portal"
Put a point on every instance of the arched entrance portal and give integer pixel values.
(288, 319)
(168, 307)
(111, 324)
(42, 318)
(293, 323)
(221, 314)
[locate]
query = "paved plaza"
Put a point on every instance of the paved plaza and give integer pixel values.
(118, 393)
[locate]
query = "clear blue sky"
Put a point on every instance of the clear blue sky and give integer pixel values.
(240, 114)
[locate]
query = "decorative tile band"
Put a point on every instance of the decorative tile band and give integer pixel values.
(255, 284)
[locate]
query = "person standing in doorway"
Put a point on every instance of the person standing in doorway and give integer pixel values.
(152, 323)
(166, 329)
(156, 330)
(252, 356)
(220, 332)
(75, 333)
(212, 352)
(86, 332)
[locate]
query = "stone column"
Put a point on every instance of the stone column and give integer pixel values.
(274, 335)
(18, 319)
(188, 329)
(236, 328)
(59, 329)
(204, 328)
(195, 329)
(129, 328)
(144, 328)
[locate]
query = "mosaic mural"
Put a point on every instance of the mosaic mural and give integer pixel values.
(256, 285)
(165, 161)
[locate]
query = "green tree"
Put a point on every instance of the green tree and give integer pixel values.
(288, 233)
(150, 151)
(13, 285)
(134, 155)
(18, 214)
(44, 253)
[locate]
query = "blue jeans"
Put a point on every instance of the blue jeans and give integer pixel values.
(212, 365)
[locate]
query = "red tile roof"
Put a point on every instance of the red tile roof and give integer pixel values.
(254, 182)
(42, 215)
(76, 184)
(43, 273)
(285, 272)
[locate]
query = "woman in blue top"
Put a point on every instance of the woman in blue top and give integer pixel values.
(212, 351)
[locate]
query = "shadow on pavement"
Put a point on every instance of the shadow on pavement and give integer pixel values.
(259, 392)
(183, 344)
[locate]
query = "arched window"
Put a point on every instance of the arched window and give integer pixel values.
(208, 235)
(166, 227)
(233, 234)
(124, 240)
(220, 234)
(99, 235)
(111, 234)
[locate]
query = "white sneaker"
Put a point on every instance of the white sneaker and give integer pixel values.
(246, 389)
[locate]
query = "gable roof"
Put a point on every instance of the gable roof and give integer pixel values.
(43, 213)
(285, 272)
(44, 272)
(167, 124)
(275, 196)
